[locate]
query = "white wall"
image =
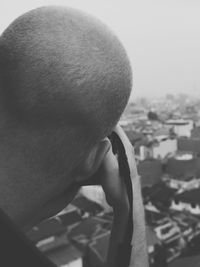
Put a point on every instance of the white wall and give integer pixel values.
(185, 206)
(172, 231)
(183, 130)
(177, 206)
(168, 146)
(185, 185)
(76, 263)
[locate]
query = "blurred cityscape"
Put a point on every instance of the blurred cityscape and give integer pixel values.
(165, 133)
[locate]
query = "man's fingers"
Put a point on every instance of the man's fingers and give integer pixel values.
(113, 184)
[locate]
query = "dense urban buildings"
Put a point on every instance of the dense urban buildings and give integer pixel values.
(165, 134)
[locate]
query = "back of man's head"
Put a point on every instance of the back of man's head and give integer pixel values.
(62, 67)
(65, 79)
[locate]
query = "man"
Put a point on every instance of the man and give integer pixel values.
(65, 79)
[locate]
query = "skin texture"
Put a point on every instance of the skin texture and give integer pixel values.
(65, 79)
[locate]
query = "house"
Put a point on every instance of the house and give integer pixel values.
(167, 232)
(48, 235)
(159, 147)
(187, 218)
(182, 183)
(85, 235)
(134, 136)
(99, 247)
(87, 229)
(86, 207)
(181, 127)
(189, 145)
(163, 147)
(69, 218)
(150, 171)
(98, 250)
(170, 236)
(183, 166)
(154, 217)
(188, 200)
(66, 256)
(187, 226)
(191, 261)
(195, 133)
(159, 195)
(105, 220)
(163, 130)
(152, 243)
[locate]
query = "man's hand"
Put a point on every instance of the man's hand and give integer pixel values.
(116, 196)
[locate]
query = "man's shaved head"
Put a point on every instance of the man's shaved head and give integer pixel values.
(65, 79)
(59, 66)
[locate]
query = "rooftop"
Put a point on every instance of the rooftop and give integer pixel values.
(70, 218)
(153, 217)
(100, 246)
(192, 261)
(86, 205)
(184, 156)
(181, 169)
(151, 237)
(195, 133)
(159, 192)
(47, 228)
(177, 122)
(88, 228)
(64, 255)
(192, 196)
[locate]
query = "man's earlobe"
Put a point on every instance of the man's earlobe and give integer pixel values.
(94, 159)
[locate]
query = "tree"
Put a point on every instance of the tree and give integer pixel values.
(152, 116)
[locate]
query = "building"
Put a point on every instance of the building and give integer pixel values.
(152, 243)
(168, 231)
(150, 171)
(154, 217)
(66, 256)
(163, 130)
(186, 225)
(91, 237)
(181, 127)
(98, 249)
(69, 217)
(169, 234)
(189, 261)
(86, 230)
(87, 207)
(48, 235)
(183, 166)
(196, 133)
(164, 147)
(188, 200)
(135, 137)
(158, 195)
(182, 183)
(159, 148)
(189, 145)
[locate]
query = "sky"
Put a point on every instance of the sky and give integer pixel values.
(162, 38)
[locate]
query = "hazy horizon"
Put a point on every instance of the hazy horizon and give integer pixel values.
(161, 38)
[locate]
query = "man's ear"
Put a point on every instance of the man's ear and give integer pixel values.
(94, 159)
